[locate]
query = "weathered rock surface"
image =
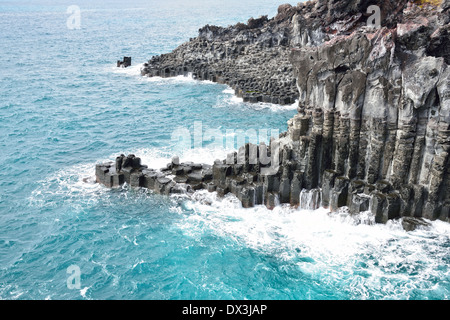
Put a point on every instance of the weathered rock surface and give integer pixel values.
(372, 131)
(252, 58)
(374, 106)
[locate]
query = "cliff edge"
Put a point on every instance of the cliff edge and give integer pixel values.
(372, 131)
(374, 106)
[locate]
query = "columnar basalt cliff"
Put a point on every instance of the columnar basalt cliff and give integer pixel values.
(372, 131)
(375, 109)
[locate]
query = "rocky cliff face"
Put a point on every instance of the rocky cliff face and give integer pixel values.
(372, 131)
(374, 106)
(252, 58)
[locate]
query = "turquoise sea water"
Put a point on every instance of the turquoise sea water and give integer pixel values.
(64, 107)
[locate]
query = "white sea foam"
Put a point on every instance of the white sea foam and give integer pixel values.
(132, 71)
(135, 71)
(71, 182)
(83, 292)
(228, 90)
(177, 79)
(228, 98)
(75, 182)
(368, 259)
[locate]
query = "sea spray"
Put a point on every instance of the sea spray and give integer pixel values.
(310, 199)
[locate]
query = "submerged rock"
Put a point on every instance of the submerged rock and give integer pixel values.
(411, 224)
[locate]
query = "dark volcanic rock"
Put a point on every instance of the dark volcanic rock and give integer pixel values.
(373, 125)
(374, 105)
(252, 58)
(411, 224)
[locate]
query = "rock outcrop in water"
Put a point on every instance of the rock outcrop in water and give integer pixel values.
(125, 63)
(372, 131)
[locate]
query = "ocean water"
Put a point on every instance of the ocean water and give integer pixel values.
(64, 107)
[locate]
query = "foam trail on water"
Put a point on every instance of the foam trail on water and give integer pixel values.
(132, 71)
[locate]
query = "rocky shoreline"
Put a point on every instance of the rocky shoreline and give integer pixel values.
(251, 58)
(372, 131)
